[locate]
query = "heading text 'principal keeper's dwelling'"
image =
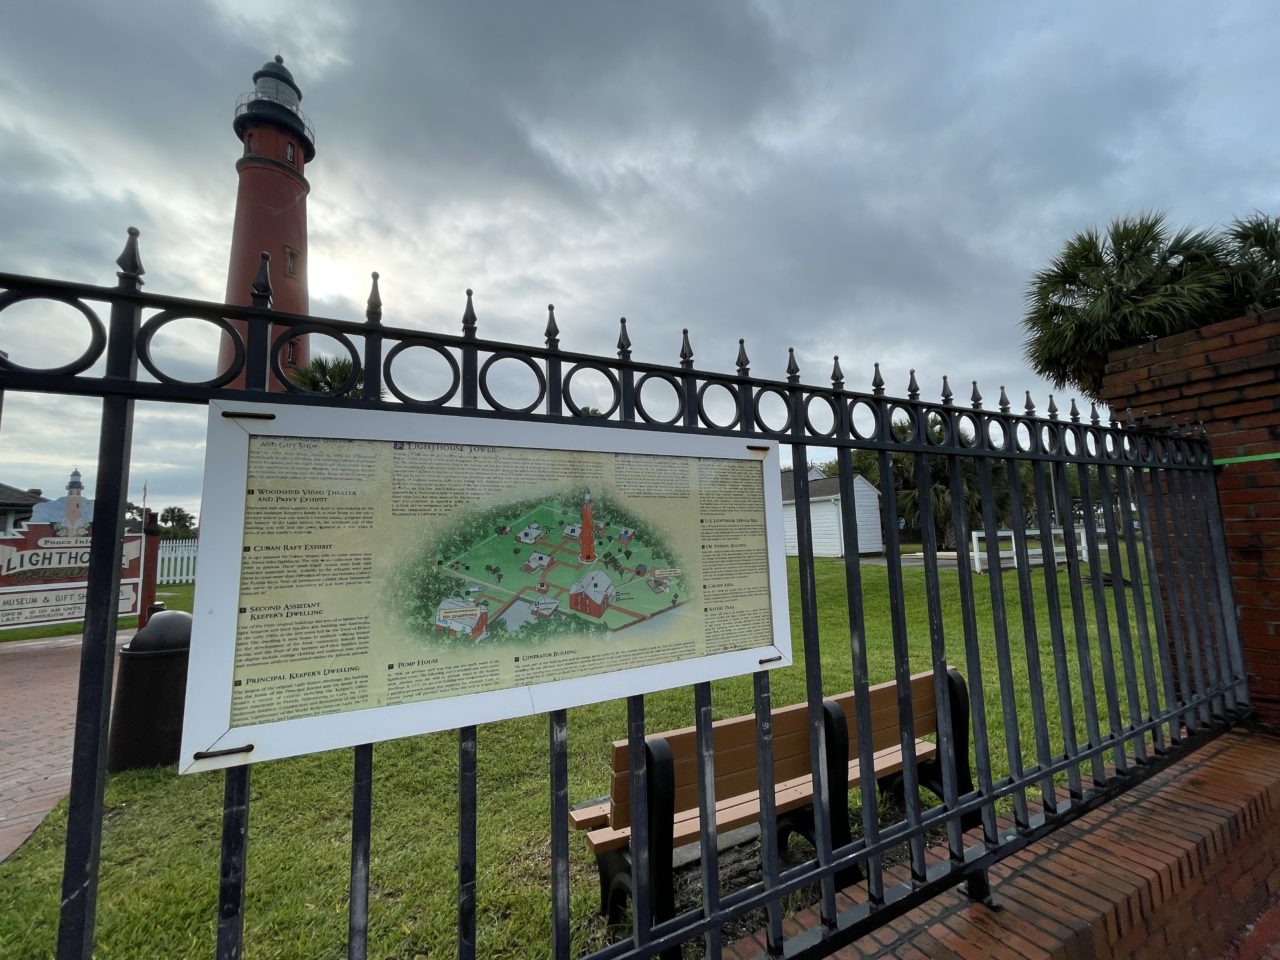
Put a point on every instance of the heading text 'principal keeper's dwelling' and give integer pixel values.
(824, 509)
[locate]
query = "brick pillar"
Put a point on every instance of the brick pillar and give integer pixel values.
(1228, 375)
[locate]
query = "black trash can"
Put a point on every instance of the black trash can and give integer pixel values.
(151, 688)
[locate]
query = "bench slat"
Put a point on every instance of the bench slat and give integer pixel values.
(735, 745)
(738, 811)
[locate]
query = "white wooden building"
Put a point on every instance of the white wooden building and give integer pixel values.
(824, 508)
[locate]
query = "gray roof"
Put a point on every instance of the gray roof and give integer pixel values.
(826, 487)
(11, 497)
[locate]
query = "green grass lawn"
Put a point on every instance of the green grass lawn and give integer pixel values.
(177, 596)
(159, 886)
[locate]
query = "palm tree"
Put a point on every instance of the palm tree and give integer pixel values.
(1134, 283)
(326, 374)
(1254, 248)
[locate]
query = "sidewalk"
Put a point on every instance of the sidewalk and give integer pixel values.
(37, 725)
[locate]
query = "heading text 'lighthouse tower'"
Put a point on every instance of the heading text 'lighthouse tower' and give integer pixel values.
(271, 204)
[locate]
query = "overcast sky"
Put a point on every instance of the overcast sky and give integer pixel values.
(871, 180)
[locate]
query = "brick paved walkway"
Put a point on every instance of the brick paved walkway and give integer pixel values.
(37, 723)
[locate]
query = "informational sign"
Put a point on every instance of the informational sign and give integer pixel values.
(43, 576)
(370, 575)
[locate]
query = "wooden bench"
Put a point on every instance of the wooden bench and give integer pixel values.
(672, 778)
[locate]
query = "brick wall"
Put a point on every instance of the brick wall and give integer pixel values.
(1227, 374)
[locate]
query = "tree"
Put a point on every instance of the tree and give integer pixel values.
(1138, 282)
(326, 374)
(178, 522)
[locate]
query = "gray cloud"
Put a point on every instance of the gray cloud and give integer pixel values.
(873, 181)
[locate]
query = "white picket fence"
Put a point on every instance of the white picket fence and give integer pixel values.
(177, 561)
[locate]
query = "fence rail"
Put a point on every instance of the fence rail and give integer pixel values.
(177, 562)
(1108, 668)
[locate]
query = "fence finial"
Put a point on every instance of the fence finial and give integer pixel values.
(686, 351)
(975, 398)
(947, 395)
(744, 362)
(1093, 414)
(1075, 411)
(793, 368)
(913, 388)
(837, 375)
(552, 332)
(624, 340)
(1004, 400)
(877, 383)
(1053, 408)
(469, 318)
(373, 307)
(130, 260)
(1128, 417)
(1030, 407)
(260, 289)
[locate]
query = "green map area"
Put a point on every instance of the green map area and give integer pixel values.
(531, 570)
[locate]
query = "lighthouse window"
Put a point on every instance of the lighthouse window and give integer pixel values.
(248, 144)
(292, 262)
(288, 152)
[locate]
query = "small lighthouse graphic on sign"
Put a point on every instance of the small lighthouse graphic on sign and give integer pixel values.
(588, 540)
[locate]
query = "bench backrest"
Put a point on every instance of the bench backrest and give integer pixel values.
(734, 741)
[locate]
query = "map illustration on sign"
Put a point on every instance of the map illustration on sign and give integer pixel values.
(533, 569)
(381, 575)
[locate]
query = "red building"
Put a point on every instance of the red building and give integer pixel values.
(592, 594)
(271, 204)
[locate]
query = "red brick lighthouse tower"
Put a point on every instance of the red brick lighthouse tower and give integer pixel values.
(271, 204)
(588, 538)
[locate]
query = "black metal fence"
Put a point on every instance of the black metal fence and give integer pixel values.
(1137, 659)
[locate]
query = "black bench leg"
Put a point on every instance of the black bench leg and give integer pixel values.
(958, 694)
(662, 812)
(615, 884)
(836, 734)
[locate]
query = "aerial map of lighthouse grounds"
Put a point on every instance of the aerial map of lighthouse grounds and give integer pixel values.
(371, 574)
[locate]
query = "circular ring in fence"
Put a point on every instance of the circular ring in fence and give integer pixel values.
(301, 330)
(904, 419)
(996, 433)
(1092, 441)
(1024, 438)
(759, 413)
(1160, 448)
(937, 429)
(1049, 439)
(1178, 449)
(1111, 445)
(153, 326)
(676, 389)
(1144, 449)
(604, 372)
(1129, 447)
(520, 357)
(1072, 442)
(97, 335)
(968, 430)
(808, 420)
(864, 420)
(702, 405)
(420, 343)
(1205, 457)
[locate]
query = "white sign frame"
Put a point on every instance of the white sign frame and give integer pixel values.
(208, 740)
